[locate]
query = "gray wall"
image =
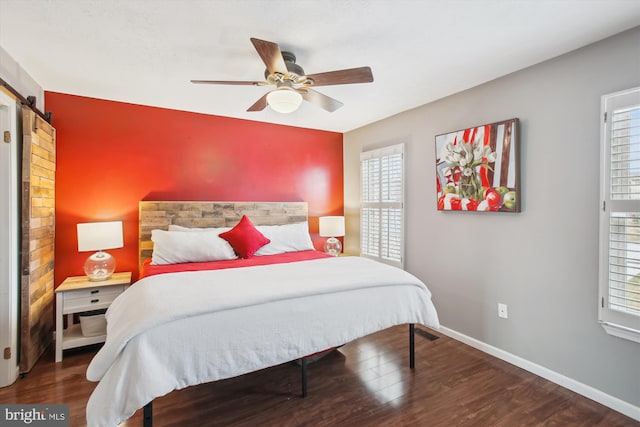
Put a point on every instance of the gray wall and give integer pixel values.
(542, 262)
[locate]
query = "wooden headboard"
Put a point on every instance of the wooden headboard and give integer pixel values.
(158, 215)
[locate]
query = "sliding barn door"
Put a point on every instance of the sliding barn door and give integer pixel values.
(38, 231)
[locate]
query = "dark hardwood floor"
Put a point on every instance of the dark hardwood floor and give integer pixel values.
(364, 383)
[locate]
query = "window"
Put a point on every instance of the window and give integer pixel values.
(619, 310)
(382, 204)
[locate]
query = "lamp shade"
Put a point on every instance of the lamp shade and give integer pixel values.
(331, 226)
(284, 100)
(96, 236)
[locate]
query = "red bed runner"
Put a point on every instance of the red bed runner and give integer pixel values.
(150, 270)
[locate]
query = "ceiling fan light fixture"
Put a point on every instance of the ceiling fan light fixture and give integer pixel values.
(284, 100)
(292, 84)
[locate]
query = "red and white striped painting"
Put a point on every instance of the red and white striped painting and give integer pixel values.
(477, 169)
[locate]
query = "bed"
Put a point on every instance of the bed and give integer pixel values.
(190, 322)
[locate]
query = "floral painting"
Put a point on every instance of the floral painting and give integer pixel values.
(477, 169)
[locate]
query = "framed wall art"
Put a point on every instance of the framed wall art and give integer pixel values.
(478, 169)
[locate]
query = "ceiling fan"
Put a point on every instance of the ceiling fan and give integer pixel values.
(292, 84)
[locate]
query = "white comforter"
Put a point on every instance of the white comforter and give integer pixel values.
(174, 330)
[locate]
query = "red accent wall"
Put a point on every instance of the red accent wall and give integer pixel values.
(111, 155)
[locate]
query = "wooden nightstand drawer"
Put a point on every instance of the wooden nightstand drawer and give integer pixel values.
(90, 299)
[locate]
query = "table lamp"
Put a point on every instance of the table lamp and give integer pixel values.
(98, 236)
(332, 227)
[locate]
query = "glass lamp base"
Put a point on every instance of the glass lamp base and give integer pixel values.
(333, 246)
(99, 266)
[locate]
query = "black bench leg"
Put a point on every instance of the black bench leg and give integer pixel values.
(147, 414)
(412, 346)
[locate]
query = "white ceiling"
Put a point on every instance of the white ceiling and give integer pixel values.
(146, 51)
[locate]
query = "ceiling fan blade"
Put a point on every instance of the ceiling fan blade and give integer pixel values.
(260, 104)
(320, 100)
(271, 56)
(342, 77)
(224, 82)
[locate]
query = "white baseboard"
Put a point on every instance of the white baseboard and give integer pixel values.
(612, 402)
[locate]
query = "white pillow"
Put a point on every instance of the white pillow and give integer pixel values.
(170, 247)
(285, 238)
(173, 227)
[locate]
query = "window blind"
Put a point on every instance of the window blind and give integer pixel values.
(620, 218)
(382, 204)
(625, 154)
(624, 262)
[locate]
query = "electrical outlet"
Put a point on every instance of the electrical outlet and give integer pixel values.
(502, 311)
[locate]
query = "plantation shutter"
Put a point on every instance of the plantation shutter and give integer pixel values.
(382, 204)
(620, 217)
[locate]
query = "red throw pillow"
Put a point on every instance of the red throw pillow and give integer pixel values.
(244, 238)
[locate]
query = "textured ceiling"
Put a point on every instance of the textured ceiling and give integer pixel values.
(146, 51)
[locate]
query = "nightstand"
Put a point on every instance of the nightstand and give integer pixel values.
(78, 294)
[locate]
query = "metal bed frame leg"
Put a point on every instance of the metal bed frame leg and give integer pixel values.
(303, 370)
(147, 420)
(147, 415)
(412, 346)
